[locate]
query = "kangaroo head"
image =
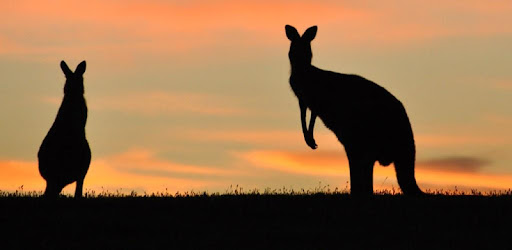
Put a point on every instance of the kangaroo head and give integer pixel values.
(74, 81)
(300, 49)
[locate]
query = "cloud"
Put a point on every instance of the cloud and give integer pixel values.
(131, 28)
(142, 170)
(503, 85)
(17, 173)
(107, 174)
(326, 162)
(323, 163)
(161, 103)
(155, 103)
(445, 173)
(274, 138)
(293, 139)
(423, 20)
(145, 162)
(471, 180)
(443, 140)
(285, 150)
(455, 164)
(135, 169)
(501, 120)
(149, 26)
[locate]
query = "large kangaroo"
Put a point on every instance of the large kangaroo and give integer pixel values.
(64, 155)
(369, 121)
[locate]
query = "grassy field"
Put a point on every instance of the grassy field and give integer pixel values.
(254, 220)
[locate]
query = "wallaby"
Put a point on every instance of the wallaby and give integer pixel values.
(64, 155)
(369, 121)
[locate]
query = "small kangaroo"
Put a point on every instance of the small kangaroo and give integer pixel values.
(368, 120)
(64, 155)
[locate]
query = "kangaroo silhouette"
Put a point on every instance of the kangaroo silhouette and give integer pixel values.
(64, 155)
(369, 121)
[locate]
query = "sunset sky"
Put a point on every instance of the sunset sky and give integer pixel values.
(194, 95)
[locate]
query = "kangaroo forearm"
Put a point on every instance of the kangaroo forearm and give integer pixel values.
(303, 117)
(312, 122)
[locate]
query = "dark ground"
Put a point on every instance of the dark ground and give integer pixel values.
(258, 222)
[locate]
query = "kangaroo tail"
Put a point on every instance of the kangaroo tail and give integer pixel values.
(404, 167)
(405, 154)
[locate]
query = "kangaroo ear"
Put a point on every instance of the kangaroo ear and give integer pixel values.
(65, 69)
(80, 69)
(310, 33)
(291, 33)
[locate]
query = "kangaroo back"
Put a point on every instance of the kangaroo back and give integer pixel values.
(64, 155)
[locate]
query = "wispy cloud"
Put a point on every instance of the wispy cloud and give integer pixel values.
(502, 120)
(327, 140)
(136, 169)
(325, 163)
(145, 162)
(449, 140)
(154, 103)
(143, 170)
(263, 138)
(150, 26)
(455, 164)
(171, 27)
(162, 103)
(444, 173)
(17, 173)
(504, 85)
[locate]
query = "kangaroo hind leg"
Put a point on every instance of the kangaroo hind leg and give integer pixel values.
(53, 189)
(79, 188)
(361, 173)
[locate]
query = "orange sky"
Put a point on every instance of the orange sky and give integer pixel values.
(194, 95)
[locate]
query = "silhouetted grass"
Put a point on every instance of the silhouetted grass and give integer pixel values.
(239, 190)
(319, 218)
